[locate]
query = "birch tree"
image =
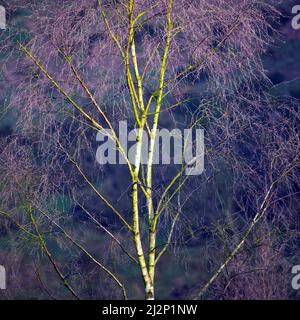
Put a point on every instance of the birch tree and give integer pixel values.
(83, 66)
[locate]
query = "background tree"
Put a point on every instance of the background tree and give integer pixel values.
(79, 68)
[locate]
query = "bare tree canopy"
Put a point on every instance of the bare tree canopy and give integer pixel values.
(75, 69)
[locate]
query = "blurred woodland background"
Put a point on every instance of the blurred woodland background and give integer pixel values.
(216, 213)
